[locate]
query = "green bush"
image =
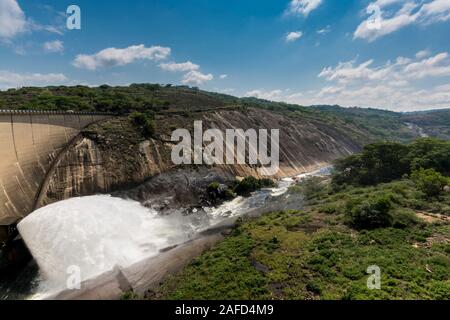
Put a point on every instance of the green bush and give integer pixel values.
(145, 121)
(217, 191)
(370, 214)
(250, 184)
(404, 218)
(429, 181)
(313, 187)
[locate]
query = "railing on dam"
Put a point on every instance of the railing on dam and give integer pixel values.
(63, 112)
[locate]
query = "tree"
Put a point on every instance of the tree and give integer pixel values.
(371, 214)
(146, 122)
(429, 181)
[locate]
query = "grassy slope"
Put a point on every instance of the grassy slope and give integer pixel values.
(312, 254)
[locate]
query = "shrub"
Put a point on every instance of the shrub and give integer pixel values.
(217, 191)
(429, 181)
(145, 121)
(404, 218)
(250, 184)
(313, 187)
(371, 214)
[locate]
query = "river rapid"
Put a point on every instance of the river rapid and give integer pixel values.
(83, 238)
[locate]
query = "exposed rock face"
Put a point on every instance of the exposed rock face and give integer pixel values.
(87, 168)
(117, 159)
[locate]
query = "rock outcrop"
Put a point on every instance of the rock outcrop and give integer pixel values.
(112, 155)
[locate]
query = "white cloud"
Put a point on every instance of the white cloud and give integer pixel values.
(177, 67)
(399, 14)
(423, 54)
(392, 85)
(402, 71)
(14, 80)
(12, 19)
(196, 77)
(292, 36)
(324, 30)
(223, 76)
(193, 75)
(304, 7)
(54, 46)
(436, 11)
(263, 94)
(112, 57)
(436, 66)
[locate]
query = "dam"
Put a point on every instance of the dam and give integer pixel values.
(30, 142)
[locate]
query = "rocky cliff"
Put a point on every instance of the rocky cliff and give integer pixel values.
(113, 155)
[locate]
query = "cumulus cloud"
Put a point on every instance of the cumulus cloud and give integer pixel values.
(196, 77)
(177, 67)
(12, 19)
(112, 57)
(303, 7)
(293, 36)
(54, 46)
(223, 76)
(193, 75)
(13, 22)
(404, 69)
(14, 80)
(392, 85)
(393, 15)
(263, 94)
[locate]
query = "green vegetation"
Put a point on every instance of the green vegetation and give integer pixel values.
(322, 251)
(146, 121)
(371, 214)
(219, 192)
(435, 122)
(250, 184)
(121, 100)
(306, 255)
(380, 123)
(430, 182)
(387, 161)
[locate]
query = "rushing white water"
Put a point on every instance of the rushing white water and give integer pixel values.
(97, 233)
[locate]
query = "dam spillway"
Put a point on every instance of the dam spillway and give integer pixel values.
(30, 142)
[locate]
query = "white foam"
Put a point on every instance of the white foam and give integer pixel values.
(97, 233)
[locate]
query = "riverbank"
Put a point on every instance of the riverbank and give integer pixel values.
(347, 242)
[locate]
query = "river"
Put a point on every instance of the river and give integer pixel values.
(89, 236)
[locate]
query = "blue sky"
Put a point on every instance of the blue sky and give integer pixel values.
(302, 51)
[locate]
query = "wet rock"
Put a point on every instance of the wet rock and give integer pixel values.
(178, 189)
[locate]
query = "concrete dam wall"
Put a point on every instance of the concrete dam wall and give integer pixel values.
(30, 141)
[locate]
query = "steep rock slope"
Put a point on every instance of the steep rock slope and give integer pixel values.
(113, 155)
